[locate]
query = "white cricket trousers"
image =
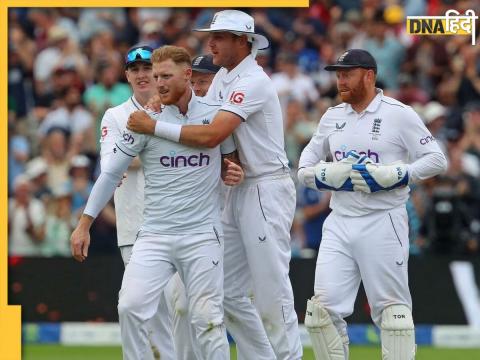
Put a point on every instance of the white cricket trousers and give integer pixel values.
(155, 259)
(257, 219)
(370, 248)
(186, 346)
(159, 326)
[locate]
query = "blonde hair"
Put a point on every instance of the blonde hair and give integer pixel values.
(175, 53)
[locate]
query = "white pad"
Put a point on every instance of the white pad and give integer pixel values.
(397, 333)
(326, 342)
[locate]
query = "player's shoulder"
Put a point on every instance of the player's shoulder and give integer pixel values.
(337, 107)
(207, 103)
(392, 103)
(334, 111)
(395, 107)
(120, 110)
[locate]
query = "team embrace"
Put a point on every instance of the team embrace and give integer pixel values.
(205, 210)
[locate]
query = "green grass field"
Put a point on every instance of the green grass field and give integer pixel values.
(56, 352)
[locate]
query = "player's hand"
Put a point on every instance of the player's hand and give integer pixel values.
(234, 174)
(154, 104)
(79, 243)
(141, 123)
(370, 178)
(331, 175)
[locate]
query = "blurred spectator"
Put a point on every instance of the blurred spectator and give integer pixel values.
(82, 183)
(150, 33)
(409, 91)
(388, 50)
(263, 59)
(471, 139)
(59, 224)
(57, 156)
(450, 227)
(427, 61)
(26, 220)
(95, 20)
(61, 51)
(72, 118)
(21, 55)
(107, 92)
(18, 152)
(315, 209)
(298, 131)
(37, 172)
(468, 75)
(291, 83)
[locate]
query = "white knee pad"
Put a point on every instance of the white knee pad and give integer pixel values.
(326, 342)
(397, 333)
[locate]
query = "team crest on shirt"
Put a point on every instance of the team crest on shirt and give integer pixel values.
(205, 121)
(377, 122)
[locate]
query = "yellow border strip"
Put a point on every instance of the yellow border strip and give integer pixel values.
(10, 316)
(164, 3)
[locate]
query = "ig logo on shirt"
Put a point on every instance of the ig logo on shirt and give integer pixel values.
(236, 97)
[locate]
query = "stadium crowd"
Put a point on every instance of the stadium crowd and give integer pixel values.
(65, 68)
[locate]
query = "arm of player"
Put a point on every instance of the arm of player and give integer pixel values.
(209, 135)
(428, 160)
(426, 157)
(101, 193)
(109, 132)
(245, 98)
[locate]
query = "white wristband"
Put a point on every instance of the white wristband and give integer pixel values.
(168, 131)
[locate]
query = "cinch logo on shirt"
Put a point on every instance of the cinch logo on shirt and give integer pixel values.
(184, 161)
(128, 138)
(339, 155)
(426, 140)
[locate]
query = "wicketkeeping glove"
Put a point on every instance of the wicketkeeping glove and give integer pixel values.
(331, 175)
(370, 178)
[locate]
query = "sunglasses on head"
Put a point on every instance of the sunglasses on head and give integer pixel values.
(139, 54)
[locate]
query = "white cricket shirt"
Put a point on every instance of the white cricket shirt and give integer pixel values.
(248, 92)
(181, 183)
(129, 196)
(387, 131)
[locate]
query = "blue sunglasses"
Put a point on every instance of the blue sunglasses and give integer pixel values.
(139, 54)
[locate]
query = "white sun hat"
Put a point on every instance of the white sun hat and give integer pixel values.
(239, 23)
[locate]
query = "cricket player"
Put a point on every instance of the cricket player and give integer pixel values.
(258, 214)
(203, 71)
(365, 238)
(129, 196)
(181, 229)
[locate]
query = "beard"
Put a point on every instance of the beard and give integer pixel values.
(354, 94)
(172, 96)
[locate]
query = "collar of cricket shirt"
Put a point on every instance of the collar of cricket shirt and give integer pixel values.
(246, 63)
(173, 109)
(372, 107)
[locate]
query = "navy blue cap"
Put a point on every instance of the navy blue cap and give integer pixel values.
(204, 64)
(138, 54)
(354, 58)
